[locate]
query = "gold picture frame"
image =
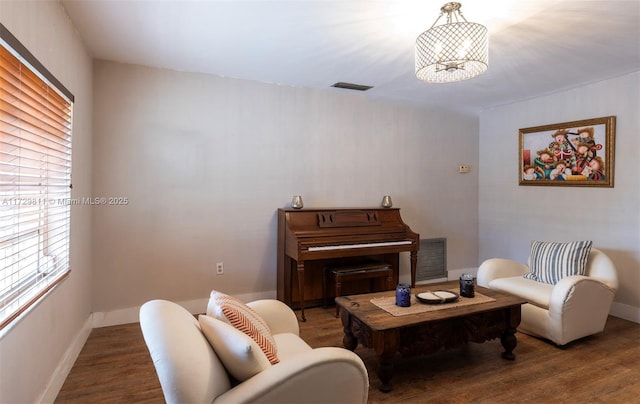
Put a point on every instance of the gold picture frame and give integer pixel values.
(576, 153)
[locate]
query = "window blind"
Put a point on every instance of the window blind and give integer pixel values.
(35, 183)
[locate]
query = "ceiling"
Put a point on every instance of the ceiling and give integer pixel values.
(537, 47)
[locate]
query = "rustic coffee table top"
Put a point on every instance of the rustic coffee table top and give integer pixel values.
(378, 319)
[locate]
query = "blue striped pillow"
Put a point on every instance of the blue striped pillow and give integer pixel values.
(551, 261)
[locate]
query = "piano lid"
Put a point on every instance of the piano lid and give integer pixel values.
(327, 222)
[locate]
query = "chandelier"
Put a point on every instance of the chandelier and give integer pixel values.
(455, 51)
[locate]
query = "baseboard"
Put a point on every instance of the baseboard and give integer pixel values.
(115, 317)
(625, 311)
(64, 367)
(196, 306)
(429, 281)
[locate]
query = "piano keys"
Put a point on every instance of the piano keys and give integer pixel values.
(310, 239)
(363, 245)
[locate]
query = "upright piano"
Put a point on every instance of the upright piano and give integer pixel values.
(311, 239)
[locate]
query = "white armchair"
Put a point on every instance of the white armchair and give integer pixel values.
(575, 307)
(190, 371)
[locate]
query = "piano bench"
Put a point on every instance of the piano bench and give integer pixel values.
(352, 273)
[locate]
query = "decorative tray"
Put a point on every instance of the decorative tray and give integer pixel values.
(437, 297)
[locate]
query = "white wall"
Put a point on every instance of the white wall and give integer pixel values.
(37, 351)
(511, 215)
(206, 161)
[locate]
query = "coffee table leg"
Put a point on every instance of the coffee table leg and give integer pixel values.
(349, 341)
(385, 370)
(509, 343)
(386, 346)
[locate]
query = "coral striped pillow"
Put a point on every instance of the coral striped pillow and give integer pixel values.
(244, 318)
(551, 261)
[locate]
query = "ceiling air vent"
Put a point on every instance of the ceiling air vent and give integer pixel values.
(351, 86)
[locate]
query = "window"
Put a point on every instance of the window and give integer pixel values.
(35, 179)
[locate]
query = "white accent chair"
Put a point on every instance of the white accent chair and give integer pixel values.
(190, 371)
(575, 307)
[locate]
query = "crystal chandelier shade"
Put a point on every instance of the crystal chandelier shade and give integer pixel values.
(453, 51)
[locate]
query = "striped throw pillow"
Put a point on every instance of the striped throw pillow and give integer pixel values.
(551, 261)
(244, 318)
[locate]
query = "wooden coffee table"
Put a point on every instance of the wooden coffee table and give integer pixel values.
(428, 332)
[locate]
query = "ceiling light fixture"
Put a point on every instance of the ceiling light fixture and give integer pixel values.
(455, 51)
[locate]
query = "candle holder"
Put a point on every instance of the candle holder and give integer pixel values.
(296, 202)
(403, 295)
(467, 287)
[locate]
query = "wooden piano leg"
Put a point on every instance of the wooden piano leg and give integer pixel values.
(301, 288)
(414, 267)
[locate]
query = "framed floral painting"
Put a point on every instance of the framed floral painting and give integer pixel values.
(578, 153)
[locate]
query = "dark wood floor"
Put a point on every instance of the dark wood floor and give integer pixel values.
(115, 367)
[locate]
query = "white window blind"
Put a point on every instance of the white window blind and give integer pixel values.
(35, 182)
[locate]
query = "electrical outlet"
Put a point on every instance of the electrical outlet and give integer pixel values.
(219, 268)
(463, 169)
